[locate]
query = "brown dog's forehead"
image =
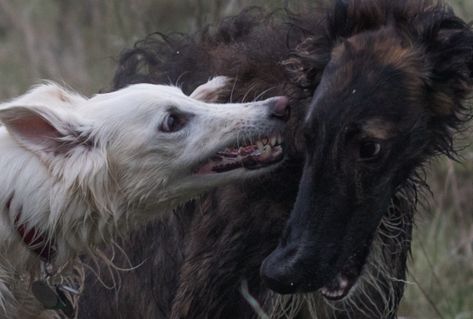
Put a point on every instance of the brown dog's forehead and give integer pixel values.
(377, 72)
(385, 45)
(383, 48)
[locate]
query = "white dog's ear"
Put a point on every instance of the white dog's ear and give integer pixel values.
(50, 94)
(213, 91)
(43, 130)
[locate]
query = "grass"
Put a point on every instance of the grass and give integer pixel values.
(441, 272)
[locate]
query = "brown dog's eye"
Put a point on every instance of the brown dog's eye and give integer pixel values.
(172, 123)
(369, 150)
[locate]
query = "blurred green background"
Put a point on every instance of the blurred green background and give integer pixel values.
(77, 43)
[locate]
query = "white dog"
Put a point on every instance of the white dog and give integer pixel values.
(74, 171)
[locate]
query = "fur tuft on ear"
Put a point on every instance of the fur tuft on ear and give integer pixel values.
(43, 120)
(449, 46)
(50, 94)
(214, 91)
(448, 43)
(45, 131)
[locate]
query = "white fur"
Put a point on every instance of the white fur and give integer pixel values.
(82, 170)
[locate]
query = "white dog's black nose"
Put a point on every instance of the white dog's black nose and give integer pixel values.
(280, 108)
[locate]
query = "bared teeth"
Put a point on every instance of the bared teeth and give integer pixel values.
(279, 139)
(265, 140)
(250, 157)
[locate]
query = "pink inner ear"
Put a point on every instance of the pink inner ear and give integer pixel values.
(34, 129)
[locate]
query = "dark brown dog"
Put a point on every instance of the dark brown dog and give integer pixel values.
(388, 79)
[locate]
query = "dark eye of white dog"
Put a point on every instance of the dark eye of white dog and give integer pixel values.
(369, 150)
(172, 123)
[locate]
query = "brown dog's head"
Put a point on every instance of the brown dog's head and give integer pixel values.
(390, 97)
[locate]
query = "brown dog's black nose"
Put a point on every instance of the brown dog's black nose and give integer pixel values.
(280, 108)
(277, 277)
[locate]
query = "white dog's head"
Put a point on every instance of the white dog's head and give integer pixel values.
(150, 143)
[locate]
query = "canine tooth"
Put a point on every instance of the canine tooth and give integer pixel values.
(279, 139)
(343, 283)
(265, 140)
(273, 140)
(260, 146)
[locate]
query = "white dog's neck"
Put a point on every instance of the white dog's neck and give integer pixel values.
(32, 196)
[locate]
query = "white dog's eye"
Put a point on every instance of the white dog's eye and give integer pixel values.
(172, 123)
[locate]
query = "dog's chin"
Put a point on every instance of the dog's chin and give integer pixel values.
(339, 287)
(341, 283)
(344, 281)
(243, 160)
(335, 289)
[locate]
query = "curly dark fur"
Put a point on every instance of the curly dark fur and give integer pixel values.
(228, 233)
(218, 246)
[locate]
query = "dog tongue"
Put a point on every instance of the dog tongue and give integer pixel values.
(208, 167)
(235, 152)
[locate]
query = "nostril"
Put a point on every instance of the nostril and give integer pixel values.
(280, 108)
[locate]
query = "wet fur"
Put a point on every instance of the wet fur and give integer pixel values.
(234, 228)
